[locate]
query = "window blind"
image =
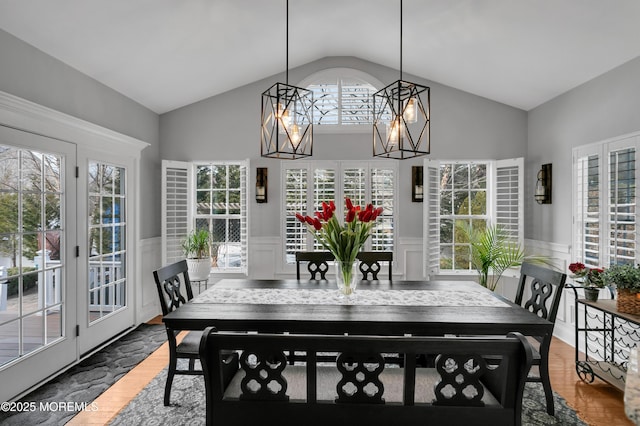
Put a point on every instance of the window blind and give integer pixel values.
(175, 217)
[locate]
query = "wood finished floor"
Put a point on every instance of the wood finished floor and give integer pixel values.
(598, 403)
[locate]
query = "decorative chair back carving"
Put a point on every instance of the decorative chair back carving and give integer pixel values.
(546, 289)
(263, 380)
(317, 263)
(470, 368)
(371, 263)
(168, 282)
(360, 381)
(460, 380)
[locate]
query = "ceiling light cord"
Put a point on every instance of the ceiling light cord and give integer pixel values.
(400, 39)
(287, 48)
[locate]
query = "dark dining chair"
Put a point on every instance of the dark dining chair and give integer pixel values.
(371, 263)
(169, 282)
(317, 263)
(546, 288)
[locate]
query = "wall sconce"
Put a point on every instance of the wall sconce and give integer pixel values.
(261, 185)
(417, 184)
(543, 185)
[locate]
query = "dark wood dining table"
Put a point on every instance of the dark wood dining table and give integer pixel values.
(355, 317)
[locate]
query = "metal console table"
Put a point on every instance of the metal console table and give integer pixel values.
(607, 338)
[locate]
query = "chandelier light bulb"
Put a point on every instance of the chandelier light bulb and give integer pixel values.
(295, 135)
(411, 111)
(393, 131)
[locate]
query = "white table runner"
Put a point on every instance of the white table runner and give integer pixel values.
(271, 296)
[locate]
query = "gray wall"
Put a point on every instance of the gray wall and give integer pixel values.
(31, 74)
(227, 127)
(602, 108)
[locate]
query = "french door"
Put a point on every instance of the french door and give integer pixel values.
(105, 306)
(38, 284)
(65, 257)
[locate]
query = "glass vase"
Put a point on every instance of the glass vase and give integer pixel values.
(347, 277)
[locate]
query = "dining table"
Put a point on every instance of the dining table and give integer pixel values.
(428, 308)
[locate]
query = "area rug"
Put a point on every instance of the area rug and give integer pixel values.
(86, 381)
(188, 405)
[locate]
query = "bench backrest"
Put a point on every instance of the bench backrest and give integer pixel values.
(466, 367)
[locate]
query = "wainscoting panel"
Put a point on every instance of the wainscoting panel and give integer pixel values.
(409, 262)
(148, 305)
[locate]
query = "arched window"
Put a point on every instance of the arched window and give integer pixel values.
(342, 97)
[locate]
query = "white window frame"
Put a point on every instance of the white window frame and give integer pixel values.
(337, 76)
(177, 221)
(339, 167)
(505, 206)
(602, 149)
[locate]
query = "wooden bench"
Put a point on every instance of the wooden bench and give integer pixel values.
(475, 381)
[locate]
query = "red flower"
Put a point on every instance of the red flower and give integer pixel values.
(377, 212)
(327, 211)
(351, 214)
(345, 239)
(578, 269)
(577, 266)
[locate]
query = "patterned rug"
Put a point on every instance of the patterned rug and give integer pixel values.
(188, 405)
(86, 381)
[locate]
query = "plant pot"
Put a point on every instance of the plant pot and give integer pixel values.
(591, 294)
(199, 269)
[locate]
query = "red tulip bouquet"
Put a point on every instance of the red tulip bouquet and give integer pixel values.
(342, 240)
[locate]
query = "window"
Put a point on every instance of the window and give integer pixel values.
(605, 216)
(32, 203)
(342, 97)
(307, 186)
(107, 245)
(210, 196)
(218, 210)
(472, 194)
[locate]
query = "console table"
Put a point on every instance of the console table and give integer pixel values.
(608, 336)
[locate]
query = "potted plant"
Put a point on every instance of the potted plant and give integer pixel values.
(493, 251)
(196, 247)
(626, 278)
(592, 279)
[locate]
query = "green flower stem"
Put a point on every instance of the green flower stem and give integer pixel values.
(347, 274)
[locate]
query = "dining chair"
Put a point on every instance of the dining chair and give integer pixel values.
(370, 263)
(169, 280)
(317, 263)
(545, 288)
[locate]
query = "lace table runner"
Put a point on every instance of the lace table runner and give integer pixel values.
(271, 296)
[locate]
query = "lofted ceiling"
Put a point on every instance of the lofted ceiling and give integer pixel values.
(165, 54)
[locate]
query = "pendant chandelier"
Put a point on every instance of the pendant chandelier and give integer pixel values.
(401, 124)
(286, 118)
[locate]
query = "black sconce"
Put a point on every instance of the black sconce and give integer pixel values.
(417, 184)
(543, 185)
(261, 185)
